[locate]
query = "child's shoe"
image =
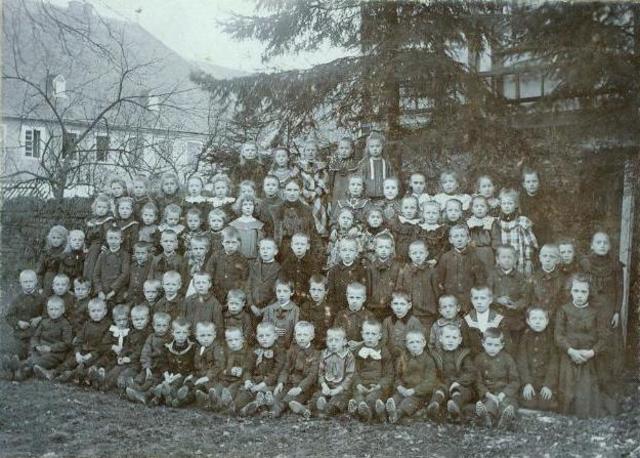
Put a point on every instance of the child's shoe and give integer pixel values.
(202, 399)
(225, 397)
(261, 398)
(352, 407)
(454, 410)
(299, 409)
(43, 373)
(214, 400)
(64, 377)
(321, 404)
(380, 409)
(433, 410)
(364, 411)
(507, 417)
(181, 394)
(392, 412)
(483, 414)
(135, 395)
(250, 409)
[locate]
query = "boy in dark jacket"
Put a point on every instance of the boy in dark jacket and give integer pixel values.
(111, 273)
(25, 312)
(348, 270)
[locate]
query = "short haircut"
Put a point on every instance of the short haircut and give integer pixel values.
(114, 230)
(375, 135)
(206, 325)
(459, 227)
(493, 333)
(202, 273)
(345, 210)
(348, 240)
(247, 183)
(152, 283)
(479, 197)
(550, 247)
(356, 286)
(355, 177)
(271, 177)
(337, 330)
(318, 279)
(372, 322)
(169, 176)
(415, 332)
(581, 278)
(120, 310)
(180, 323)
(300, 325)
(410, 198)
(231, 232)
(455, 202)
(451, 327)
(173, 209)
(169, 232)
(401, 295)
(219, 213)
(482, 287)
(55, 300)
(194, 211)
(140, 245)
(509, 193)
(374, 210)
(82, 281)
(284, 282)
(449, 173)
(392, 180)
(431, 203)
(199, 239)
(300, 235)
(150, 206)
(64, 277)
(566, 241)
(96, 301)
(236, 294)
(268, 240)
(384, 236)
(265, 325)
(448, 296)
(505, 247)
(171, 275)
(538, 308)
(233, 329)
(140, 309)
(161, 316)
(27, 272)
(417, 243)
(527, 170)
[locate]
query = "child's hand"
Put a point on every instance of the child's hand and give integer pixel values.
(402, 390)
(501, 396)
(453, 386)
(236, 371)
(126, 360)
(492, 397)
(326, 390)
(120, 361)
(576, 356)
(587, 354)
(101, 295)
(615, 320)
(528, 268)
(353, 344)
(201, 380)
(256, 311)
(546, 393)
(278, 389)
(248, 384)
(110, 295)
(295, 391)
(23, 324)
(147, 373)
(79, 358)
(116, 348)
(43, 348)
(432, 262)
(528, 392)
(409, 392)
(35, 321)
(361, 389)
(103, 248)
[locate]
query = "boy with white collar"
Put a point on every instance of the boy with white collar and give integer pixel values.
(481, 318)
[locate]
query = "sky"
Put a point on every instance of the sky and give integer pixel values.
(191, 28)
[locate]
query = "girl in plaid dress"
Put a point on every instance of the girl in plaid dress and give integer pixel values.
(516, 230)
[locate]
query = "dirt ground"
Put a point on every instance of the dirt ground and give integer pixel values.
(45, 419)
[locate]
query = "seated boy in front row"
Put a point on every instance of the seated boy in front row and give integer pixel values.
(497, 381)
(374, 374)
(415, 378)
(456, 374)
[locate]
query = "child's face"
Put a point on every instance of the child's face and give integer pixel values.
(283, 293)
(600, 244)
(459, 239)
(160, 326)
(580, 292)
(202, 284)
(148, 217)
(267, 250)
(299, 246)
(234, 339)
(418, 254)
(150, 293)
(206, 335)
(60, 286)
(141, 254)
(448, 308)
(270, 187)
(55, 310)
(76, 241)
(548, 259)
(450, 340)
(180, 334)
(507, 205)
(97, 312)
(371, 335)
(28, 283)
(81, 290)
(356, 187)
(230, 245)
(537, 320)
(390, 189)
(415, 343)
(374, 147)
(247, 208)
(170, 285)
(303, 336)
(431, 214)
(172, 219)
(169, 243)
(417, 184)
(400, 306)
(169, 186)
(409, 208)
(345, 220)
(121, 321)
(481, 299)
(199, 249)
(249, 151)
(139, 320)
(125, 210)
(492, 345)
(220, 189)
(374, 220)
(453, 211)
(194, 187)
(384, 248)
(235, 305)
(309, 152)
(344, 150)
(193, 222)
(336, 341)
(56, 239)
(281, 158)
(449, 183)
(216, 223)
(114, 240)
(531, 183)
(139, 189)
(567, 253)
(292, 191)
(479, 208)
(348, 251)
(266, 337)
(101, 208)
(506, 259)
(486, 187)
(116, 189)
(355, 299)
(317, 291)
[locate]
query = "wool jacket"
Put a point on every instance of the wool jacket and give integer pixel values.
(417, 372)
(209, 362)
(337, 369)
(538, 359)
(497, 374)
(382, 278)
(57, 334)
(111, 272)
(301, 368)
(417, 281)
(267, 364)
(262, 280)
(25, 307)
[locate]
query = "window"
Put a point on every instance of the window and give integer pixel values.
(69, 140)
(59, 86)
(153, 103)
(102, 147)
(194, 149)
(32, 142)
